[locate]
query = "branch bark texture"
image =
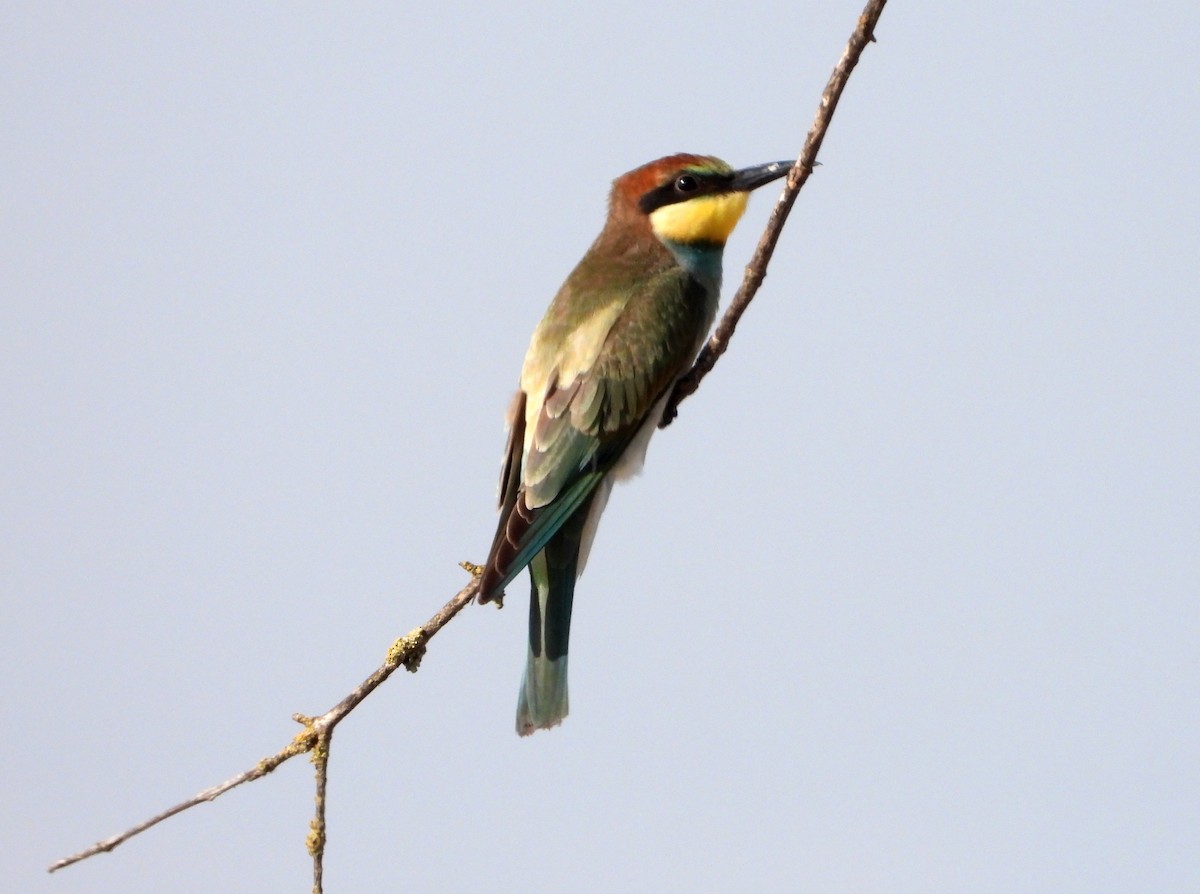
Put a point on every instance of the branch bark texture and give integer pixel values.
(315, 737)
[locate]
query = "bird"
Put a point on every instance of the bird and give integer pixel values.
(624, 327)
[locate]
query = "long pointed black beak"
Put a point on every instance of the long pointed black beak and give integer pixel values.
(752, 178)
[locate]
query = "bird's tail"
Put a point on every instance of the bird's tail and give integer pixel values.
(543, 700)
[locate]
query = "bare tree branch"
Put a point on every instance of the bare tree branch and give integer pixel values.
(405, 652)
(316, 828)
(317, 734)
(756, 270)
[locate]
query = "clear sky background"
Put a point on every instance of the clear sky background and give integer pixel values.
(906, 600)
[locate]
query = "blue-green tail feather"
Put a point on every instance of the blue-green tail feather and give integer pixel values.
(543, 700)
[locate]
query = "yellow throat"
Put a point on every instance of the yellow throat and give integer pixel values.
(702, 219)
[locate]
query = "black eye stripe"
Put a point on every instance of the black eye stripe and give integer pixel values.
(681, 187)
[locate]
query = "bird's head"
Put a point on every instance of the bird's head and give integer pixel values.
(689, 199)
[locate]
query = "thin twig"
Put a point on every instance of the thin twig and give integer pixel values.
(316, 828)
(317, 735)
(405, 652)
(756, 270)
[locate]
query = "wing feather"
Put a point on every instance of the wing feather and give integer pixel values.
(585, 401)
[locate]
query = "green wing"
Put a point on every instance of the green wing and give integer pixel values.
(572, 434)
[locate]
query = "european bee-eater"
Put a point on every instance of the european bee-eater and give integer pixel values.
(623, 328)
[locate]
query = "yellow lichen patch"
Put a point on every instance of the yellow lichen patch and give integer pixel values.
(471, 568)
(702, 219)
(303, 741)
(408, 650)
(315, 841)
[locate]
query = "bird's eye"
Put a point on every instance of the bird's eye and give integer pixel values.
(686, 183)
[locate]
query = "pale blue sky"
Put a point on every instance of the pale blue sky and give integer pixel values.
(906, 601)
